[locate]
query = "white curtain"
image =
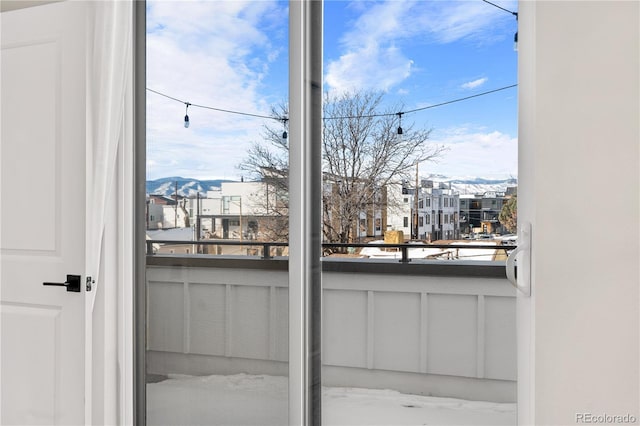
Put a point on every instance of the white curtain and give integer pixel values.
(109, 205)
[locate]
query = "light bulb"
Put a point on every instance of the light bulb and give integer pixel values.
(399, 130)
(284, 134)
(186, 115)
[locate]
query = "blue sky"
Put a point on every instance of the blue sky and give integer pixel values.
(233, 55)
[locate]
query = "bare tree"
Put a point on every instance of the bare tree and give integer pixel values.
(185, 213)
(509, 214)
(362, 153)
(269, 163)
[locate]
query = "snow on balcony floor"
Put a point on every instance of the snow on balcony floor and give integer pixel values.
(244, 400)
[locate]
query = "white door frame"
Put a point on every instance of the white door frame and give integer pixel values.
(579, 333)
(305, 207)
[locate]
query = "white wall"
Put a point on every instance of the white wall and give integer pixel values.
(398, 210)
(579, 113)
(169, 217)
(155, 214)
(252, 195)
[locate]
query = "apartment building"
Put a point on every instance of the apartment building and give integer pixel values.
(434, 215)
(479, 213)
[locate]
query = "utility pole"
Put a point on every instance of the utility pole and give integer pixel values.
(175, 208)
(416, 205)
(198, 218)
(240, 221)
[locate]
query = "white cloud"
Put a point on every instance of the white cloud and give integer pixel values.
(373, 57)
(374, 67)
(475, 83)
(215, 54)
(224, 53)
(473, 152)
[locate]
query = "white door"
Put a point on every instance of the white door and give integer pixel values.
(42, 219)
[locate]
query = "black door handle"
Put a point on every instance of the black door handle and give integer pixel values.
(72, 283)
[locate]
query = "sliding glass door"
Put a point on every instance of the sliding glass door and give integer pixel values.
(313, 253)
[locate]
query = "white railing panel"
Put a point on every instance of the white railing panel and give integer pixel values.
(207, 319)
(344, 328)
(396, 328)
(500, 335)
(166, 316)
(452, 335)
(280, 333)
(250, 322)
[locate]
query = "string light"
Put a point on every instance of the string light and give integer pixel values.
(285, 119)
(214, 108)
(186, 115)
(515, 37)
(502, 8)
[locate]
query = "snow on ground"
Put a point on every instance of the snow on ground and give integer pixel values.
(243, 400)
(423, 251)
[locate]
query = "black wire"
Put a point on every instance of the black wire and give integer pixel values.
(388, 114)
(502, 8)
(217, 109)
(461, 99)
(423, 108)
(382, 114)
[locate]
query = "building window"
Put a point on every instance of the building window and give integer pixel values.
(421, 221)
(405, 221)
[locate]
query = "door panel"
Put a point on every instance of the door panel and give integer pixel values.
(30, 92)
(42, 219)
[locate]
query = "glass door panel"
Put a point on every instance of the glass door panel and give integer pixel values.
(420, 154)
(217, 281)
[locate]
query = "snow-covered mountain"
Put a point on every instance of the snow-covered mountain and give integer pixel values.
(474, 185)
(187, 187)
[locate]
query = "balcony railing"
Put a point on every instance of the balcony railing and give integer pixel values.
(265, 248)
(430, 327)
